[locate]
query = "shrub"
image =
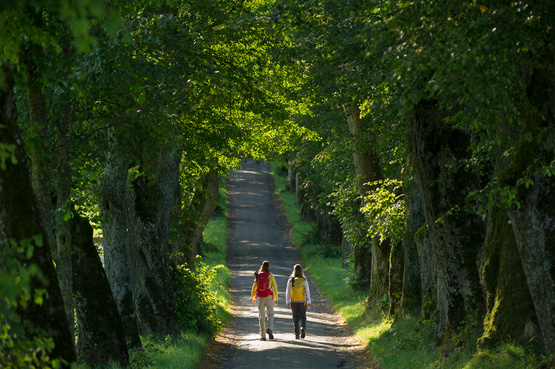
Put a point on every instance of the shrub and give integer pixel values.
(196, 304)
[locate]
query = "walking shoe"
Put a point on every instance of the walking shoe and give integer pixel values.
(302, 333)
(262, 338)
(270, 334)
(297, 337)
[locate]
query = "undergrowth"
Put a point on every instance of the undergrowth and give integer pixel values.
(405, 342)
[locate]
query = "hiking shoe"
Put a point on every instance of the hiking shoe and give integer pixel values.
(270, 334)
(302, 333)
(297, 337)
(262, 338)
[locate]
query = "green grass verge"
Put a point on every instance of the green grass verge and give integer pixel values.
(405, 343)
(186, 352)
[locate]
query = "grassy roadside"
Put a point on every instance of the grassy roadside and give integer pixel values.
(406, 343)
(188, 351)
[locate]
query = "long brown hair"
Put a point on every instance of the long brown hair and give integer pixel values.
(265, 267)
(297, 271)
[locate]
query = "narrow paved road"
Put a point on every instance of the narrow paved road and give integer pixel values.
(257, 233)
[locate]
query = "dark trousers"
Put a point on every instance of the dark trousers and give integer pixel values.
(299, 316)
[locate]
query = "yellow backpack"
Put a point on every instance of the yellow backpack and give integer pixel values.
(298, 291)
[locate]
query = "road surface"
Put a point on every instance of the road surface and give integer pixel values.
(258, 233)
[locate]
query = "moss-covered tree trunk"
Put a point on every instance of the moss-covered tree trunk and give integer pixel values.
(149, 212)
(455, 235)
(113, 209)
(510, 312)
(19, 221)
(367, 168)
(101, 336)
(533, 218)
(411, 302)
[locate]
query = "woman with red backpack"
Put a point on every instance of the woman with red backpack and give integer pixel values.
(265, 289)
(297, 295)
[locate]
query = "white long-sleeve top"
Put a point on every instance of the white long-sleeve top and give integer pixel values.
(288, 292)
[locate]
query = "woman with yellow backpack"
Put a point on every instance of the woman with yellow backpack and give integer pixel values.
(297, 296)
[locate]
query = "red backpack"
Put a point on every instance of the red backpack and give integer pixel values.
(263, 285)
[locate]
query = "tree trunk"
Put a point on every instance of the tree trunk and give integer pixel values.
(532, 221)
(411, 303)
(114, 215)
(292, 178)
(379, 276)
(211, 191)
(367, 168)
(510, 311)
(63, 228)
(150, 208)
(101, 336)
(455, 235)
(535, 237)
(19, 220)
(330, 229)
(395, 277)
(307, 212)
(345, 251)
(41, 169)
(428, 272)
(201, 209)
(40, 160)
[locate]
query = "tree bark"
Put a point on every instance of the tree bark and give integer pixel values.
(455, 235)
(19, 220)
(41, 169)
(428, 272)
(395, 277)
(367, 167)
(40, 162)
(532, 221)
(63, 228)
(345, 251)
(307, 212)
(411, 303)
(116, 244)
(201, 209)
(101, 336)
(150, 208)
(330, 229)
(510, 311)
(211, 191)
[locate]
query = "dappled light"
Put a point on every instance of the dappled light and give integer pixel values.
(402, 153)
